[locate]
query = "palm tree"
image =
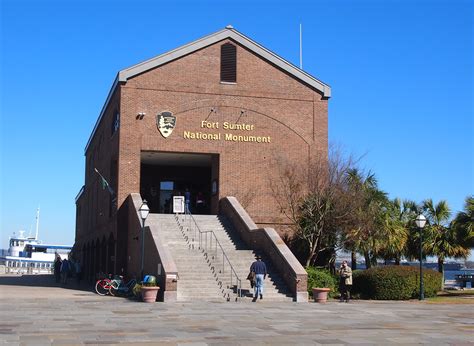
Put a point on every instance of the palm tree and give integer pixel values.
(464, 223)
(412, 250)
(398, 217)
(364, 232)
(442, 240)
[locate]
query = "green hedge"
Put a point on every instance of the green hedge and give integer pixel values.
(321, 278)
(395, 283)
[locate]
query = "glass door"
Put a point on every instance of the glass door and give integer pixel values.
(166, 197)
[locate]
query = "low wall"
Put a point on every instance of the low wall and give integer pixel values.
(158, 260)
(269, 242)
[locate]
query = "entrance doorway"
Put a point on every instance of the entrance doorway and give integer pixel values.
(164, 175)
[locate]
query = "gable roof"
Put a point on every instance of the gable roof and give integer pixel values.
(226, 33)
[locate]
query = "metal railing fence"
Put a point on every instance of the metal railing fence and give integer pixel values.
(213, 252)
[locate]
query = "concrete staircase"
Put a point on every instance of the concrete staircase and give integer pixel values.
(241, 257)
(195, 281)
(203, 272)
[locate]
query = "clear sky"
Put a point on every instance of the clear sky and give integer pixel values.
(401, 74)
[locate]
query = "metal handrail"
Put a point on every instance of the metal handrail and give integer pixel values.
(188, 218)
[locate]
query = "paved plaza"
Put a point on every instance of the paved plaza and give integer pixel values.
(36, 311)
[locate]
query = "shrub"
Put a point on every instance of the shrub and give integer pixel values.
(394, 283)
(431, 281)
(320, 278)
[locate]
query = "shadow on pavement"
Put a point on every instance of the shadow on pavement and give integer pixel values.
(42, 280)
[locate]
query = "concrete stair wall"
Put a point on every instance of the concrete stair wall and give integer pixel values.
(203, 273)
(241, 258)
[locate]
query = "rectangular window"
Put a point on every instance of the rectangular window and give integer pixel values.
(115, 123)
(228, 63)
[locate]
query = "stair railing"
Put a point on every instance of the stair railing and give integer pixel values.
(212, 250)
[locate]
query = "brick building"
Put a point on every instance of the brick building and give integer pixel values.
(209, 117)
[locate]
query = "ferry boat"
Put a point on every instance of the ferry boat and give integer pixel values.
(27, 254)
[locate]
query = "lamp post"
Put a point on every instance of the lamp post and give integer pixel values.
(144, 210)
(420, 223)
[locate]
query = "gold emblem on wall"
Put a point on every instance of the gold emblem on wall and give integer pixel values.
(166, 122)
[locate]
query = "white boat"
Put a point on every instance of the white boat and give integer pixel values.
(27, 254)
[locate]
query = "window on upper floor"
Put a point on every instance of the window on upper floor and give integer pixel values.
(115, 123)
(228, 63)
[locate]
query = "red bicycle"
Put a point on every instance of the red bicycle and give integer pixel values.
(103, 286)
(115, 286)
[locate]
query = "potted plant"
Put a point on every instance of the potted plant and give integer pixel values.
(320, 294)
(320, 284)
(149, 289)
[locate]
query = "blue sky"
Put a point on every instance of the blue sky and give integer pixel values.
(401, 74)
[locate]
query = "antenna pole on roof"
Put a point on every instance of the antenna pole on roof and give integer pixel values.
(37, 222)
(301, 46)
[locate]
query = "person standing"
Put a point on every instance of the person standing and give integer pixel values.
(187, 200)
(200, 203)
(260, 270)
(57, 268)
(345, 282)
(64, 270)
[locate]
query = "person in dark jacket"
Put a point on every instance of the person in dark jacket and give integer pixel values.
(187, 201)
(57, 268)
(200, 203)
(260, 270)
(65, 267)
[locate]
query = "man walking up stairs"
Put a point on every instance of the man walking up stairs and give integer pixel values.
(260, 269)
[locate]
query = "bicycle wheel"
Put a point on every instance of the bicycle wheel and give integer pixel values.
(101, 287)
(114, 288)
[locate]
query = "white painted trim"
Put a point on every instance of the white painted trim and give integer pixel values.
(79, 194)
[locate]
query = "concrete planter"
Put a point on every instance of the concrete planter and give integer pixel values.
(149, 293)
(320, 295)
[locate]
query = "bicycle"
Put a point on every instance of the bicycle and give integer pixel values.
(115, 286)
(102, 286)
(120, 288)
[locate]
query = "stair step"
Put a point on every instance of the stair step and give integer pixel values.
(196, 279)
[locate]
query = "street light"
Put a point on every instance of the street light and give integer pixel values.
(144, 210)
(420, 222)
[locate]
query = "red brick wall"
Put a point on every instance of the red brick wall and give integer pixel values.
(291, 113)
(94, 221)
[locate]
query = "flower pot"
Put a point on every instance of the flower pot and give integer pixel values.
(149, 293)
(320, 295)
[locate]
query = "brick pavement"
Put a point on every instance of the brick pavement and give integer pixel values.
(36, 311)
